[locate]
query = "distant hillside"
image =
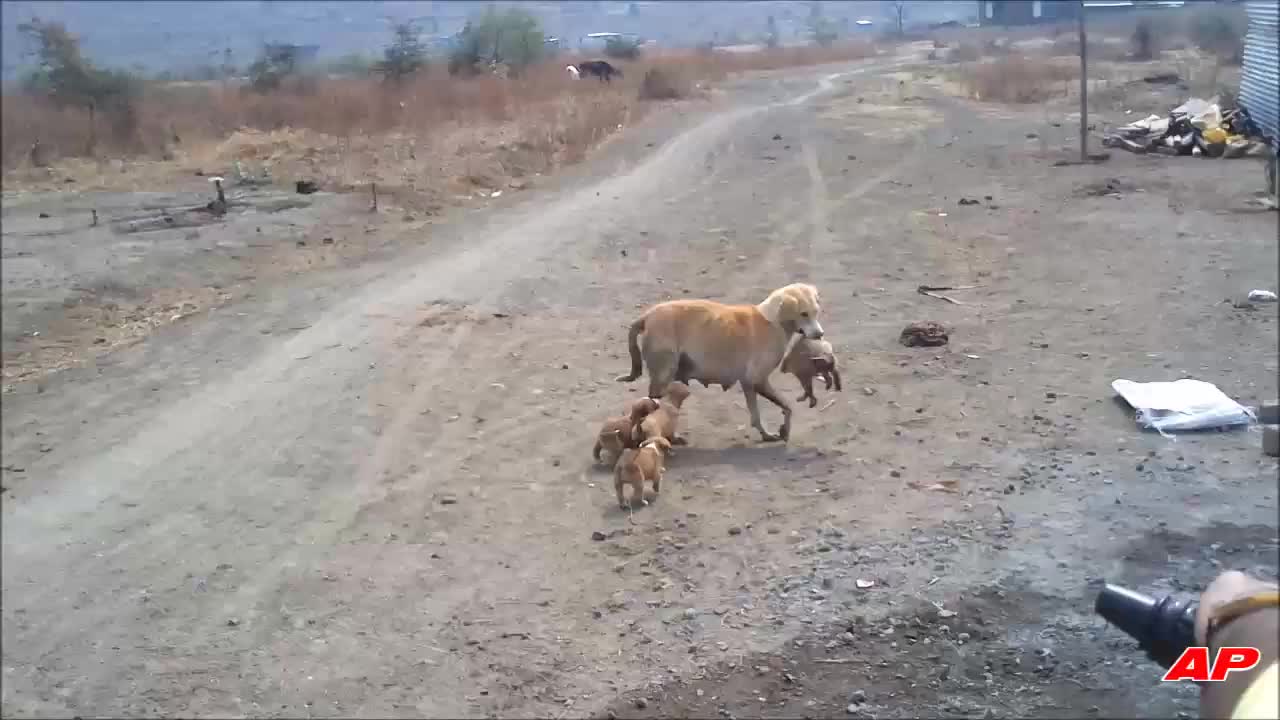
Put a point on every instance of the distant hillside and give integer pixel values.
(173, 35)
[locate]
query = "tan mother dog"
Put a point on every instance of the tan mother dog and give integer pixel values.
(719, 344)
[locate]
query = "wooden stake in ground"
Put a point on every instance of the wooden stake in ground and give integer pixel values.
(373, 187)
(1084, 90)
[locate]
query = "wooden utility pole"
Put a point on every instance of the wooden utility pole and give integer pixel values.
(1084, 90)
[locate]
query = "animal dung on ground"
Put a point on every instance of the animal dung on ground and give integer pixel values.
(924, 334)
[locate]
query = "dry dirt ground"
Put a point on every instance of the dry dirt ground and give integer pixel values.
(366, 490)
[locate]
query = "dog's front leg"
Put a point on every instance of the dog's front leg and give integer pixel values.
(753, 407)
(772, 396)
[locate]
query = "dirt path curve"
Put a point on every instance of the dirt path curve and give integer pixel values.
(175, 569)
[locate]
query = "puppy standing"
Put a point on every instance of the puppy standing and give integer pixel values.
(636, 466)
(662, 422)
(619, 433)
(808, 358)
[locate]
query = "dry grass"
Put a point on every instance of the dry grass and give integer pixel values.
(435, 135)
(1019, 79)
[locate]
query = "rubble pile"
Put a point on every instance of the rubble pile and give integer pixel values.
(1196, 127)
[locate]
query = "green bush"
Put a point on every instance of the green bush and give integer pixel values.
(67, 78)
(276, 62)
(405, 55)
(824, 32)
(622, 48)
(353, 64)
(511, 37)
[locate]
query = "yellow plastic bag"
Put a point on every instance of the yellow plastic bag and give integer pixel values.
(1215, 136)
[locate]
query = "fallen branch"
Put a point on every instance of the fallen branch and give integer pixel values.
(837, 661)
(925, 290)
(949, 287)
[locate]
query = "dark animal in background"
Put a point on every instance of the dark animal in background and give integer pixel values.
(600, 69)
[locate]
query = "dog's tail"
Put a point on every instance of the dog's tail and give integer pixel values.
(633, 344)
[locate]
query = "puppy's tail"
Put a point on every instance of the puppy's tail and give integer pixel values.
(633, 345)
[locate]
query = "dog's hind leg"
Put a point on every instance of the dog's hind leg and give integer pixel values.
(662, 370)
(772, 396)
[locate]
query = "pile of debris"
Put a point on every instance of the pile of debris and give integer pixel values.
(1196, 127)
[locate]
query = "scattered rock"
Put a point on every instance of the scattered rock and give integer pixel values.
(864, 583)
(777, 136)
(735, 530)
(327, 241)
(233, 622)
(924, 334)
(448, 500)
(968, 201)
(305, 187)
(598, 536)
(641, 703)
(858, 696)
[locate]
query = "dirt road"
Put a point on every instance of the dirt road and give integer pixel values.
(368, 492)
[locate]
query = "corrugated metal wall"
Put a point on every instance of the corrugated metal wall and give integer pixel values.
(1260, 76)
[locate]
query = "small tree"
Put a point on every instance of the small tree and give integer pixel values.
(511, 37)
(771, 32)
(824, 32)
(67, 78)
(1143, 40)
(405, 55)
(900, 15)
(276, 62)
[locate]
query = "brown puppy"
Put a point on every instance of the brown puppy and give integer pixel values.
(636, 466)
(722, 344)
(808, 358)
(663, 421)
(618, 433)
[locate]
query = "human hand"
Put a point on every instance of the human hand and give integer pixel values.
(1227, 587)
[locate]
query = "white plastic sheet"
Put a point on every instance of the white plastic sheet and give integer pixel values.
(1182, 405)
